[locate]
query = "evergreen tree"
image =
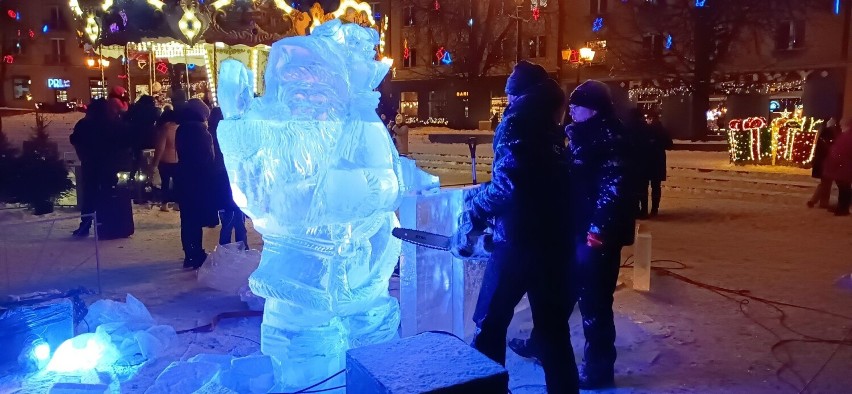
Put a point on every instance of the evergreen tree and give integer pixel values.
(40, 175)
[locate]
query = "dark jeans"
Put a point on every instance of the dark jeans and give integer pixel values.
(233, 220)
(656, 190)
(510, 273)
(595, 277)
(191, 232)
(167, 178)
(844, 197)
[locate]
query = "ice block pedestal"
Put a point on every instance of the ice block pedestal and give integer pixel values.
(425, 363)
(437, 291)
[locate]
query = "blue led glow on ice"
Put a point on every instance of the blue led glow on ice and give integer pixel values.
(598, 24)
(41, 352)
(314, 167)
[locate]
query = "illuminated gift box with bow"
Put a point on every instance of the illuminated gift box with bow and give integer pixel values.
(794, 140)
(749, 140)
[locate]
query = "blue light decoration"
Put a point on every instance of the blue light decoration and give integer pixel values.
(44, 29)
(18, 16)
(774, 106)
(598, 24)
(191, 66)
(447, 59)
(836, 7)
(669, 42)
(470, 22)
(700, 3)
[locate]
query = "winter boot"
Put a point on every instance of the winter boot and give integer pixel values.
(83, 230)
(596, 378)
(526, 348)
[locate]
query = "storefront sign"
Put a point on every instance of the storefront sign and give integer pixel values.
(56, 83)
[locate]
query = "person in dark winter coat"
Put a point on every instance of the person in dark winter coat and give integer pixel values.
(101, 142)
(650, 143)
(602, 211)
(838, 167)
(142, 118)
(525, 204)
(822, 194)
(194, 182)
(232, 217)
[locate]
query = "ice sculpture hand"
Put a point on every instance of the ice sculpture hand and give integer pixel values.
(314, 167)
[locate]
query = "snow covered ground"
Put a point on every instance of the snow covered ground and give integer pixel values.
(739, 228)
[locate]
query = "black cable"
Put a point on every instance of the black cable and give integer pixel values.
(307, 389)
(744, 299)
(324, 390)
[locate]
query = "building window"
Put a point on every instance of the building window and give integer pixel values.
(61, 96)
(437, 104)
(57, 47)
(537, 47)
(653, 45)
(408, 16)
(56, 21)
(411, 60)
(21, 88)
(377, 10)
(97, 88)
(597, 7)
(790, 35)
(408, 104)
(499, 102)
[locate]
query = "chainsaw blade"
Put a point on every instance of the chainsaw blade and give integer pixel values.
(423, 238)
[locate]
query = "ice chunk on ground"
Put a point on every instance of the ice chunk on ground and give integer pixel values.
(78, 388)
(228, 268)
(184, 378)
(131, 313)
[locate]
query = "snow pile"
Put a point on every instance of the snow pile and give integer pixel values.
(119, 334)
(217, 373)
(228, 268)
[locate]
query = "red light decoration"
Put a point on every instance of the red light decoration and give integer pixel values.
(162, 68)
(440, 53)
(437, 5)
(8, 59)
(12, 14)
(536, 13)
(31, 33)
(122, 76)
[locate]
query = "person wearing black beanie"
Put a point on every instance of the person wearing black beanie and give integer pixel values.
(524, 205)
(602, 212)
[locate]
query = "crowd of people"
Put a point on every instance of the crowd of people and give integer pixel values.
(588, 184)
(112, 139)
(832, 164)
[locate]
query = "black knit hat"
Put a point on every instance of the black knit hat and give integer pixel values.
(524, 76)
(593, 95)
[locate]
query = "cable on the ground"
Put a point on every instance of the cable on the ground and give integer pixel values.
(222, 316)
(321, 382)
(743, 298)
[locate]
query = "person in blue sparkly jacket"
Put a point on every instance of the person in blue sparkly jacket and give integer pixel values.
(602, 209)
(524, 204)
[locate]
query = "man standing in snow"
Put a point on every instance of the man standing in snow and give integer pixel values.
(525, 202)
(602, 208)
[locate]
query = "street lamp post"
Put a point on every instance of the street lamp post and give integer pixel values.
(579, 58)
(518, 4)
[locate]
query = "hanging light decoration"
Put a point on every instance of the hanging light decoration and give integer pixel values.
(93, 31)
(189, 24)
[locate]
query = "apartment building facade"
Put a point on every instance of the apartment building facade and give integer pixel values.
(43, 59)
(796, 60)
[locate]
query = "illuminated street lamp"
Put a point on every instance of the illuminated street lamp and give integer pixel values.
(579, 58)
